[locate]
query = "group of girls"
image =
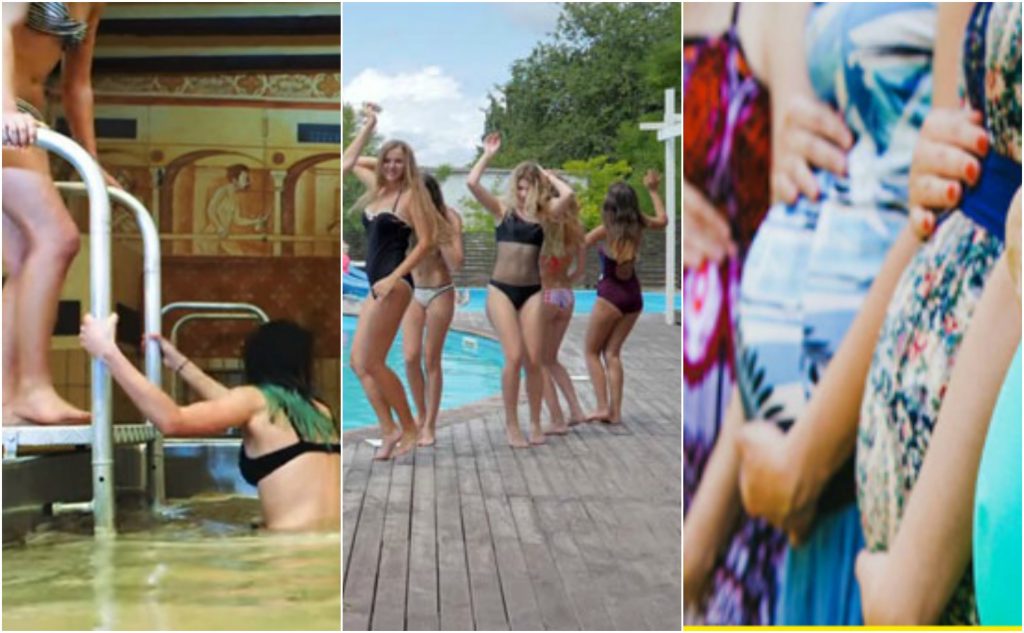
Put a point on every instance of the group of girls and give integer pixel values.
(859, 339)
(290, 439)
(541, 246)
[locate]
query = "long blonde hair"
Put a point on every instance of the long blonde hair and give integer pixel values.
(563, 234)
(538, 199)
(421, 203)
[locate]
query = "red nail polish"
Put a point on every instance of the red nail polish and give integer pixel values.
(983, 144)
(928, 223)
(951, 191)
(972, 172)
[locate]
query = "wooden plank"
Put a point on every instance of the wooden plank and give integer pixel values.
(393, 573)
(353, 491)
(454, 600)
(361, 575)
(484, 583)
(422, 607)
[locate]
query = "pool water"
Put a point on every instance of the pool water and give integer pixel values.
(471, 366)
(203, 568)
(654, 302)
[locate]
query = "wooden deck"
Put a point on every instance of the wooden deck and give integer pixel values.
(581, 533)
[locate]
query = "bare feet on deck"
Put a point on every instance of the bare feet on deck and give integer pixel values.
(388, 443)
(558, 429)
(426, 436)
(601, 415)
(515, 437)
(406, 443)
(43, 406)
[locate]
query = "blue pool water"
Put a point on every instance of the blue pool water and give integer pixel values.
(471, 367)
(654, 302)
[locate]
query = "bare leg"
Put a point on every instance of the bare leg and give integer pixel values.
(613, 360)
(553, 317)
(14, 249)
(531, 320)
(602, 320)
(439, 319)
(375, 332)
(31, 201)
(559, 373)
(412, 348)
(503, 319)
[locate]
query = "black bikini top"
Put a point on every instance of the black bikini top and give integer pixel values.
(515, 229)
(308, 422)
(53, 18)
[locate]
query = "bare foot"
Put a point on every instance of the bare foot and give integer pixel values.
(515, 437)
(536, 435)
(406, 444)
(426, 437)
(601, 415)
(558, 429)
(43, 406)
(388, 443)
(573, 421)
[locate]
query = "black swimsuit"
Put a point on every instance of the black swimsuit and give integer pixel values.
(516, 286)
(387, 240)
(256, 468)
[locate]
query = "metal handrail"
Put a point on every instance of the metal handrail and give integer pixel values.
(210, 310)
(99, 307)
(151, 300)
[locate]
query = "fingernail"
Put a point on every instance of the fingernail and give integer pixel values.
(928, 224)
(972, 172)
(983, 144)
(951, 192)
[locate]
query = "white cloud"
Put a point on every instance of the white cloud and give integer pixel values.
(425, 108)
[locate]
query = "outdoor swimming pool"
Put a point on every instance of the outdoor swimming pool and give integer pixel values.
(654, 302)
(471, 366)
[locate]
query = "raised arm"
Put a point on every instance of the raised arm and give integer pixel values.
(596, 234)
(652, 182)
(355, 149)
(566, 194)
(452, 252)
(492, 143)
(366, 171)
(234, 409)
(199, 381)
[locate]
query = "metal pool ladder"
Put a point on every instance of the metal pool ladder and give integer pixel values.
(102, 435)
(209, 310)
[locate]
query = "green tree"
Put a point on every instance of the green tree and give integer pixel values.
(604, 69)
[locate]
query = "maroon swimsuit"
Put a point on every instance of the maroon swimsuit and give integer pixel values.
(624, 294)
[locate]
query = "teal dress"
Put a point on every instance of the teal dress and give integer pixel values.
(997, 510)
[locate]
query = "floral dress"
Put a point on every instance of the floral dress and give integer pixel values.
(727, 143)
(933, 304)
(727, 140)
(807, 273)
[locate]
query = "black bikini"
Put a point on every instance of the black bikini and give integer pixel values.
(387, 240)
(517, 286)
(254, 469)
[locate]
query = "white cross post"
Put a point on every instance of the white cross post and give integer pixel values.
(668, 130)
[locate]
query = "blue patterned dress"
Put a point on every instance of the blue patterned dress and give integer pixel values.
(811, 265)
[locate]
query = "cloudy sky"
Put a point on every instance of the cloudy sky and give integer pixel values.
(431, 65)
